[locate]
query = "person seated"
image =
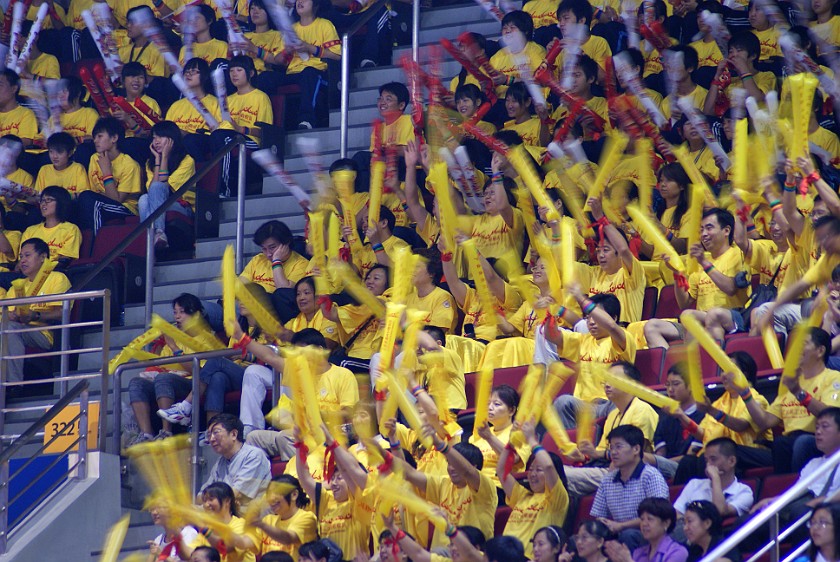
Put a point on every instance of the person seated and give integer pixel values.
(169, 167)
(182, 112)
(703, 527)
(19, 203)
(520, 106)
(517, 38)
(584, 74)
(62, 171)
(34, 254)
(544, 15)
(205, 46)
(721, 486)
(494, 435)
(479, 47)
(709, 55)
(136, 141)
(673, 437)
(744, 50)
(770, 57)
(628, 482)
(9, 247)
(64, 238)
(426, 296)
(139, 48)
(580, 12)
(265, 40)
(685, 62)
(14, 118)
(468, 98)
(76, 120)
(174, 538)
(289, 524)
(40, 66)
(656, 522)
(653, 69)
(717, 291)
(500, 227)
(383, 245)
(825, 26)
(398, 128)
(114, 179)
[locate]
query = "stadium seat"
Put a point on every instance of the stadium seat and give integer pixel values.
(775, 484)
(649, 362)
(581, 511)
(278, 467)
(666, 304)
(502, 516)
(754, 346)
(649, 303)
(511, 376)
(470, 386)
(674, 491)
(709, 368)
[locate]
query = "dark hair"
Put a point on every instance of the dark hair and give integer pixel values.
(630, 369)
(309, 336)
(189, 302)
(384, 268)
(707, 511)
(555, 535)
(212, 554)
(136, 9)
(674, 172)
(318, 7)
(631, 434)
(221, 490)
(690, 57)
(398, 89)
(169, 130)
(820, 338)
(276, 556)
(580, 9)
(61, 142)
(344, 164)
(679, 369)
(508, 395)
(469, 91)
(302, 499)
(724, 219)
(637, 59)
(660, 11)
(746, 363)
(308, 280)
(522, 21)
(589, 67)
(558, 467)
(132, 68)
(322, 548)
(41, 248)
(437, 333)
(63, 201)
(725, 445)
(230, 423)
(712, 6)
(661, 508)
(385, 535)
(208, 13)
(609, 302)
(385, 214)
(519, 92)
(504, 549)
(75, 88)
(801, 36)
(596, 528)
(510, 138)
(260, 4)
(471, 453)
(829, 221)
(834, 510)
(746, 41)
(273, 229)
(244, 62)
(203, 69)
(434, 267)
(832, 412)
(111, 126)
(474, 535)
(12, 77)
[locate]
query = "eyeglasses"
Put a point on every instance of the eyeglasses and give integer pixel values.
(191, 72)
(821, 524)
(48, 200)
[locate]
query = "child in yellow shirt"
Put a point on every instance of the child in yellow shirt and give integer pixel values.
(519, 106)
(72, 176)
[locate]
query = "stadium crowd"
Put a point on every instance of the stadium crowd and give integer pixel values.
(585, 200)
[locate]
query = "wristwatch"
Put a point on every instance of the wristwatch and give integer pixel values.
(801, 395)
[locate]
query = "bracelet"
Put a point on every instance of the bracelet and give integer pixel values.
(318, 51)
(745, 394)
(669, 235)
(446, 256)
(811, 178)
(750, 227)
(709, 268)
(451, 530)
(400, 535)
(746, 75)
(774, 208)
(404, 206)
(417, 390)
(561, 312)
(511, 80)
(693, 427)
(178, 352)
(777, 201)
(395, 444)
(537, 449)
(789, 187)
(444, 448)
(207, 532)
(260, 53)
(497, 177)
(718, 416)
(378, 247)
(588, 307)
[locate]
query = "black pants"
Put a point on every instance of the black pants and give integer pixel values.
(310, 80)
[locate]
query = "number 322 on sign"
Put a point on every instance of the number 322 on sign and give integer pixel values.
(67, 423)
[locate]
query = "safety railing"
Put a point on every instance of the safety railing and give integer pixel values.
(195, 359)
(345, 61)
(66, 350)
(147, 225)
(770, 515)
(76, 426)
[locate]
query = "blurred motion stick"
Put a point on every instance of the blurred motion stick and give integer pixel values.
(485, 297)
(229, 290)
(221, 93)
(771, 345)
(519, 160)
(409, 410)
(265, 319)
(585, 423)
(695, 379)
(439, 179)
(482, 398)
(306, 384)
(356, 288)
(635, 388)
(693, 326)
(405, 497)
(651, 233)
(389, 337)
(555, 429)
(268, 161)
(116, 536)
(612, 155)
(802, 87)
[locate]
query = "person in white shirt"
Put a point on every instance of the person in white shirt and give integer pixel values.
(721, 487)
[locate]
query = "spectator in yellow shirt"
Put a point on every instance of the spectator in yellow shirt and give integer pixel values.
(519, 106)
(136, 142)
(722, 284)
(738, 69)
(63, 237)
(62, 172)
(580, 12)
(14, 118)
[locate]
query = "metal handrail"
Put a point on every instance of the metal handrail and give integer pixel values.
(771, 511)
(345, 70)
(415, 30)
(54, 410)
(195, 358)
(173, 198)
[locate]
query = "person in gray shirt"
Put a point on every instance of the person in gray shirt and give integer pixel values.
(244, 468)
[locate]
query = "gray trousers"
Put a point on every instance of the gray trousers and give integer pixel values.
(18, 342)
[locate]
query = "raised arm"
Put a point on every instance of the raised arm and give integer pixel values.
(616, 240)
(303, 474)
(457, 287)
(617, 333)
(826, 193)
(471, 474)
(355, 476)
(724, 282)
(416, 211)
(260, 351)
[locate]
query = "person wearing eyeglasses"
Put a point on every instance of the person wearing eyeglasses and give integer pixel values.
(825, 541)
(704, 531)
(64, 238)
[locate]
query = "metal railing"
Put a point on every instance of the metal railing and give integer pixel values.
(66, 300)
(148, 223)
(195, 359)
(80, 390)
(770, 515)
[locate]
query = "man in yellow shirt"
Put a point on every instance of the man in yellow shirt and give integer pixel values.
(580, 12)
(34, 253)
(814, 389)
(114, 179)
(716, 291)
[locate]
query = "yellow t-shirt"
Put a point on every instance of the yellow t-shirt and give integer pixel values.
(366, 259)
(769, 41)
(258, 270)
(491, 458)
(828, 31)
(704, 290)
(638, 413)
(438, 305)
(708, 53)
(456, 397)
(463, 506)
(595, 48)
(318, 322)
(321, 33)
(697, 96)
(302, 523)
(494, 237)
(64, 239)
(734, 407)
(73, 178)
(19, 176)
(398, 133)
(126, 174)
(14, 239)
(20, 122)
(188, 119)
(505, 62)
(153, 105)
(337, 390)
(825, 387)
(79, 124)
(628, 288)
(121, 7)
(247, 109)
(586, 350)
(184, 171)
(529, 130)
(766, 81)
(207, 51)
(32, 14)
(526, 319)
(44, 66)
(270, 40)
(544, 14)
(237, 525)
(532, 512)
(147, 55)
(351, 318)
(73, 17)
(346, 523)
(828, 141)
(55, 284)
(485, 328)
(667, 220)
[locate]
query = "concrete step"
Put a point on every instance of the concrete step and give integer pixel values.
(200, 287)
(135, 313)
(362, 115)
(446, 15)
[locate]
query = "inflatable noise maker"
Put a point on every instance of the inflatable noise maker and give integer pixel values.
(268, 161)
(37, 284)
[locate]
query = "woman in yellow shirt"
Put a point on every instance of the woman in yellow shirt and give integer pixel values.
(673, 186)
(218, 499)
(289, 524)
(63, 237)
(310, 314)
(168, 168)
(494, 435)
(519, 106)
